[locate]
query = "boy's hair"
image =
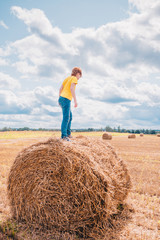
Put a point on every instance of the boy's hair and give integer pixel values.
(76, 70)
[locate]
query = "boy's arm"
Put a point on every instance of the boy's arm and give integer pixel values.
(74, 94)
(60, 90)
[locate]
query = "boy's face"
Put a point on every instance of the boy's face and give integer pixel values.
(78, 76)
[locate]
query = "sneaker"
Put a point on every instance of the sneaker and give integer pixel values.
(66, 139)
(69, 136)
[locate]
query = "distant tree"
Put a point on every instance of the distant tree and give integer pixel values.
(119, 129)
(114, 129)
(23, 129)
(90, 129)
(123, 130)
(108, 129)
(137, 131)
(152, 132)
(5, 129)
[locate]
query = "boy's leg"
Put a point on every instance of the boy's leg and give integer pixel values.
(69, 124)
(65, 104)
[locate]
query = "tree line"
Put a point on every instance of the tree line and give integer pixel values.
(107, 129)
(123, 130)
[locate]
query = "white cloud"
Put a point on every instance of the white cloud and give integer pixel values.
(39, 25)
(38, 57)
(151, 91)
(4, 52)
(11, 104)
(34, 18)
(25, 68)
(142, 5)
(21, 120)
(7, 81)
(38, 101)
(3, 62)
(46, 95)
(3, 24)
(120, 63)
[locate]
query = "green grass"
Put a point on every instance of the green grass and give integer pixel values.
(9, 229)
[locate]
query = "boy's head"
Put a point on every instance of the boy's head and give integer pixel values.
(76, 71)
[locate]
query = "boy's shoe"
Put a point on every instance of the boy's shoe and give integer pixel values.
(69, 136)
(66, 139)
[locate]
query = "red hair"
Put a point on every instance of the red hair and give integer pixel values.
(76, 70)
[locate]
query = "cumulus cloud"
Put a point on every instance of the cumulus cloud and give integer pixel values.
(11, 104)
(122, 44)
(3, 62)
(31, 19)
(46, 95)
(25, 68)
(7, 81)
(3, 54)
(144, 5)
(38, 58)
(39, 25)
(120, 63)
(38, 101)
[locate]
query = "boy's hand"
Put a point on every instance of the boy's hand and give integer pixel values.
(75, 104)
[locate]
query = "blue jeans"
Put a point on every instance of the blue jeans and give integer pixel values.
(65, 104)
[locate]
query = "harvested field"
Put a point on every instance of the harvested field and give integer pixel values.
(142, 158)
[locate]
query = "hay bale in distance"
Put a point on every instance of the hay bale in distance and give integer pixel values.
(158, 134)
(68, 186)
(131, 136)
(141, 134)
(107, 136)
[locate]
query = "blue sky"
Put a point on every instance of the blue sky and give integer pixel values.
(64, 14)
(116, 43)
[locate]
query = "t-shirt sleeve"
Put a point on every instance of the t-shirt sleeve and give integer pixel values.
(74, 80)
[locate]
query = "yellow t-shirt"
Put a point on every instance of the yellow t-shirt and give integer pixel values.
(66, 91)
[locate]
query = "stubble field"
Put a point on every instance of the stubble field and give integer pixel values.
(142, 157)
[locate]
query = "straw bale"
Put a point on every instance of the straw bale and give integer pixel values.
(141, 134)
(107, 136)
(131, 136)
(72, 187)
(158, 134)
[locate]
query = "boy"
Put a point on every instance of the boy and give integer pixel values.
(66, 93)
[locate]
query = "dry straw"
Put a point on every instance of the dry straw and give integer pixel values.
(107, 136)
(131, 136)
(69, 187)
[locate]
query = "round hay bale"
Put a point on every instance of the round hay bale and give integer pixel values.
(107, 136)
(141, 134)
(131, 136)
(158, 134)
(68, 186)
